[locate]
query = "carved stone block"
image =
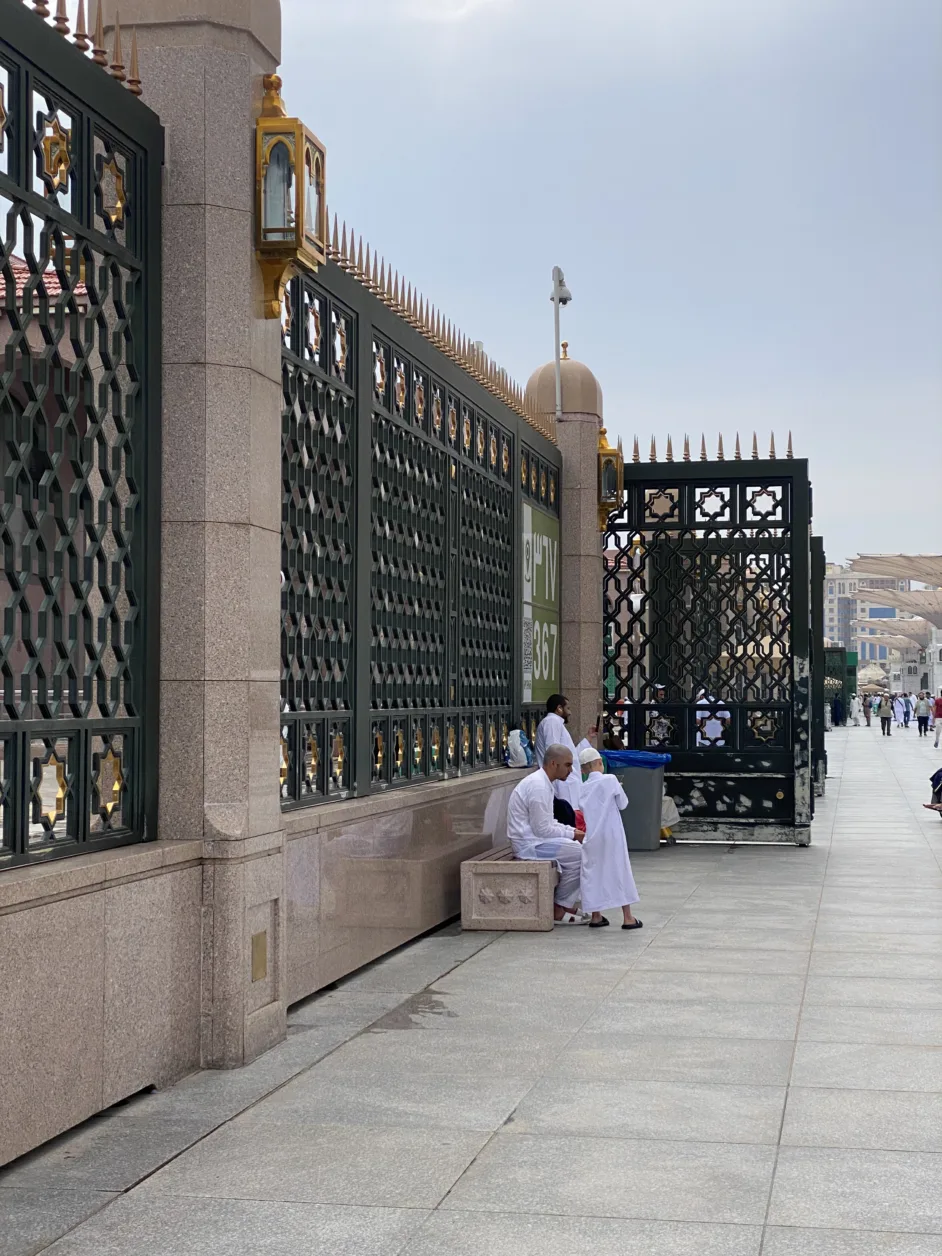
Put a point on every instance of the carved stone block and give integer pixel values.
(507, 894)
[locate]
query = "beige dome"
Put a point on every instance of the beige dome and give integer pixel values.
(582, 392)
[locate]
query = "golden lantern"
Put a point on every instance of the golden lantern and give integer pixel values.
(611, 479)
(290, 205)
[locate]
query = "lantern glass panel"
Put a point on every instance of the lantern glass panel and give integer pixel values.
(277, 207)
(609, 480)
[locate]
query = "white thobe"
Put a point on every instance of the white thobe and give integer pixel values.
(855, 711)
(534, 834)
(898, 710)
(552, 731)
(606, 869)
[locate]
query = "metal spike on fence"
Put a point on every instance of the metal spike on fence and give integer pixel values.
(343, 246)
(61, 23)
(772, 448)
(686, 449)
(134, 74)
(99, 56)
(720, 456)
(335, 245)
(41, 8)
(388, 293)
(117, 61)
(755, 446)
(360, 259)
(375, 282)
(738, 453)
(703, 453)
(790, 453)
(652, 457)
(80, 38)
(636, 452)
(670, 450)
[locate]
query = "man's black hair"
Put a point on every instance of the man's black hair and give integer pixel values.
(553, 701)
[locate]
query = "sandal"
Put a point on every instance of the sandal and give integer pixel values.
(637, 925)
(599, 924)
(572, 918)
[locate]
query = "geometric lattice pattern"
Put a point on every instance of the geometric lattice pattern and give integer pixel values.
(698, 606)
(487, 551)
(317, 571)
(74, 333)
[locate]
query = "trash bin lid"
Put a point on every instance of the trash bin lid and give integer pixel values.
(615, 759)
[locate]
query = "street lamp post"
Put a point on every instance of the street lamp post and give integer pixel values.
(559, 296)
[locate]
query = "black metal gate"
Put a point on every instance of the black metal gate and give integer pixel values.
(80, 163)
(707, 618)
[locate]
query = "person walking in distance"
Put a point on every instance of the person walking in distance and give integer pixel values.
(938, 718)
(885, 712)
(867, 703)
(922, 714)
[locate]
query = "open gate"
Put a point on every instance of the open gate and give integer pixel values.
(706, 640)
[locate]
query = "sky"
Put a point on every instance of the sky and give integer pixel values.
(745, 197)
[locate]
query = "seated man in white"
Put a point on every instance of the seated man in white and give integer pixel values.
(606, 869)
(535, 834)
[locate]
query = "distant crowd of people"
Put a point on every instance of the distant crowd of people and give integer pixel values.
(898, 709)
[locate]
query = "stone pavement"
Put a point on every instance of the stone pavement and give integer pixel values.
(758, 1070)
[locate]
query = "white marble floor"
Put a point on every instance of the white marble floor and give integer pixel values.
(758, 1070)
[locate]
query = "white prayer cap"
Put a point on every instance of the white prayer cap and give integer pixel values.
(589, 755)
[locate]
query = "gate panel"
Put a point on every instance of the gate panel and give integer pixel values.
(707, 635)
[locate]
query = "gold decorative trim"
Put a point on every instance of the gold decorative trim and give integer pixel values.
(114, 213)
(57, 157)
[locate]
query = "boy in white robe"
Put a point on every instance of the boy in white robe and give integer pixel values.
(606, 869)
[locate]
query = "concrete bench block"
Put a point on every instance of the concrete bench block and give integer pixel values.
(508, 893)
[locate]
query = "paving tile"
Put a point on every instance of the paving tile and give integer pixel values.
(798, 1242)
(693, 959)
(527, 1234)
(887, 964)
(735, 937)
(744, 1061)
(896, 1025)
(705, 1018)
(647, 1180)
(738, 987)
(32, 1219)
(104, 1154)
(688, 1111)
(163, 1226)
(868, 1066)
(881, 1120)
(473, 1053)
(394, 1099)
(328, 1164)
(341, 1007)
(857, 1190)
(886, 992)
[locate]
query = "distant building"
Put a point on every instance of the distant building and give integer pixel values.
(844, 607)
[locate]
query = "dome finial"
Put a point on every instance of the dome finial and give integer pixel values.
(565, 350)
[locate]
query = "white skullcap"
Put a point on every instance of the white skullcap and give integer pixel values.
(589, 755)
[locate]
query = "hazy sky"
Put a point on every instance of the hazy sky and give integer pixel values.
(745, 196)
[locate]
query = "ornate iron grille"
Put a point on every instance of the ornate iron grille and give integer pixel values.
(317, 519)
(401, 550)
(706, 634)
(79, 410)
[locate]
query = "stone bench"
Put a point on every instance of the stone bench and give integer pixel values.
(501, 892)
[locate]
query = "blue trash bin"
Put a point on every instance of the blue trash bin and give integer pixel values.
(641, 773)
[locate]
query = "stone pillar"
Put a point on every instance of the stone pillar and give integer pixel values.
(581, 569)
(202, 63)
(581, 543)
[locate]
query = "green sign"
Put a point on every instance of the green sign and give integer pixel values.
(540, 605)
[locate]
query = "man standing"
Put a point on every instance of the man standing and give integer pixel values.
(552, 731)
(534, 834)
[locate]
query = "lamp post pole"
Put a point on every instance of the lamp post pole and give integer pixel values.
(559, 296)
